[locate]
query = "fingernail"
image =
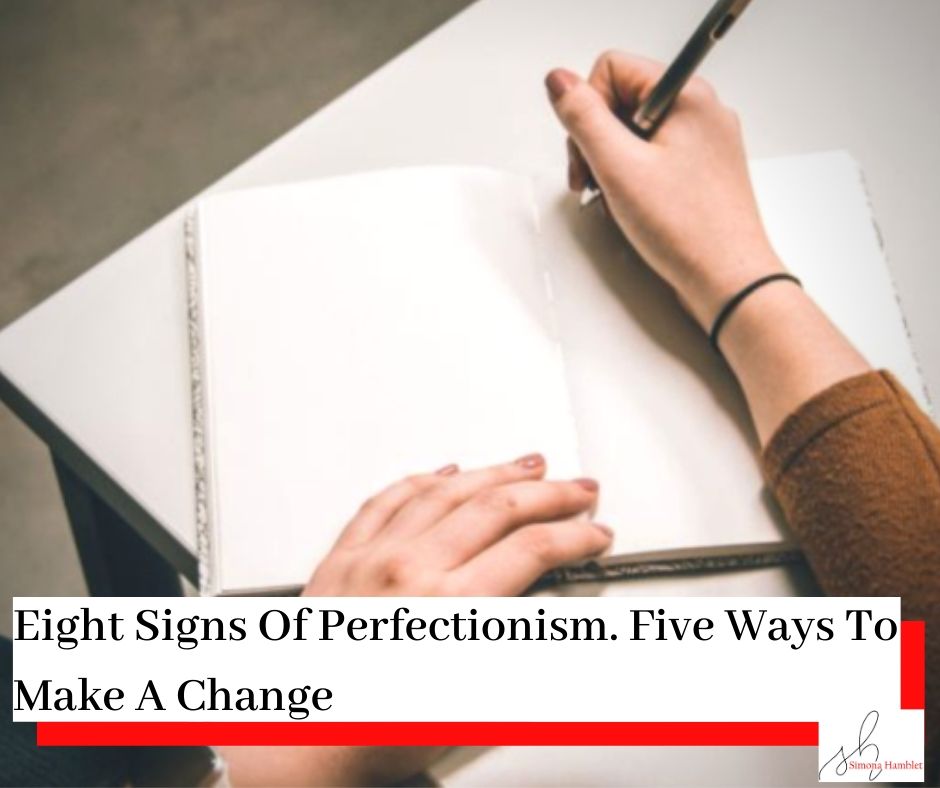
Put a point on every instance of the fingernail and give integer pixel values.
(447, 470)
(608, 531)
(588, 484)
(558, 82)
(531, 461)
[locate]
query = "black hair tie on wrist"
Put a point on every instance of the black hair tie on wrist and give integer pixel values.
(725, 312)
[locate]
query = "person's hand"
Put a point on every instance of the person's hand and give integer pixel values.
(683, 199)
(487, 532)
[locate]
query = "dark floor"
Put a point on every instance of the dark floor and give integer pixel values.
(112, 112)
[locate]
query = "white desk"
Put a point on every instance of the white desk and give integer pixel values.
(100, 371)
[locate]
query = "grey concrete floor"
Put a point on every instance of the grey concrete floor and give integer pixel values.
(112, 112)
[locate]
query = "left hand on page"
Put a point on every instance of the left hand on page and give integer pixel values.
(487, 532)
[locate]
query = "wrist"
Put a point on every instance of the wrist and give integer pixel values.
(783, 351)
(716, 285)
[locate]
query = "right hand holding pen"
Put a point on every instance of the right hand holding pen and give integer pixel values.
(683, 199)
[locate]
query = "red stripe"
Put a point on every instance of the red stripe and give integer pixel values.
(477, 734)
(912, 664)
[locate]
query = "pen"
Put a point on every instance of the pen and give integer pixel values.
(651, 112)
(682, 561)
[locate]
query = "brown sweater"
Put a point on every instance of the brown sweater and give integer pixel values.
(857, 473)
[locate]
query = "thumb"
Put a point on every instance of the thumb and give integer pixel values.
(595, 129)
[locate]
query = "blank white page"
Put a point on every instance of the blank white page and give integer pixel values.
(660, 419)
(356, 330)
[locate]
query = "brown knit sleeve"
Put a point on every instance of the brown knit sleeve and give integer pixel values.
(856, 471)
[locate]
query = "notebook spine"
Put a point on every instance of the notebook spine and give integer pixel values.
(198, 411)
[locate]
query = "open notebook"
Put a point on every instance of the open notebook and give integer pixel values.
(351, 331)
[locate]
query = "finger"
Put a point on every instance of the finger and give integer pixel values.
(623, 80)
(376, 512)
(496, 511)
(435, 502)
(605, 143)
(578, 171)
(513, 564)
